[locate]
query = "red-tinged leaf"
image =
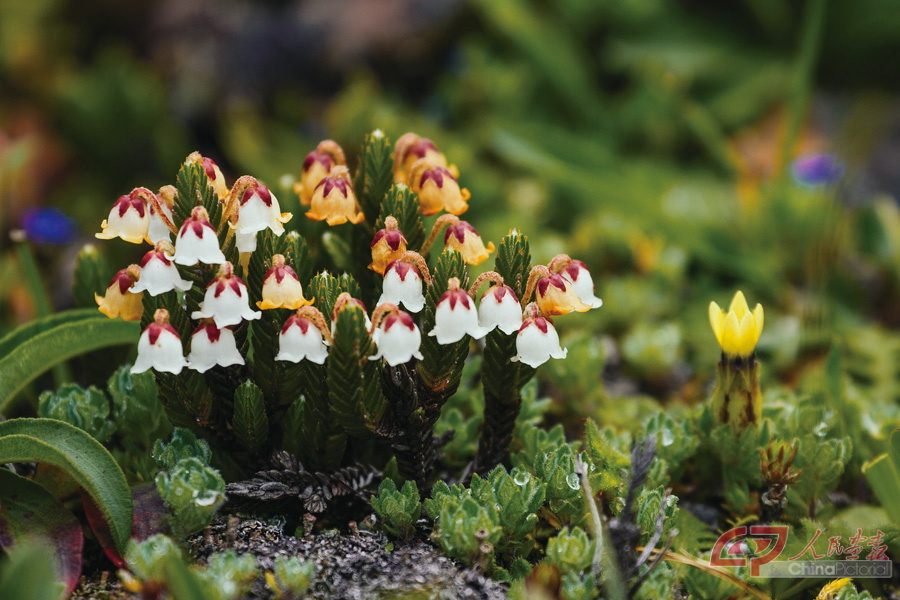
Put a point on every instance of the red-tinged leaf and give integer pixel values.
(149, 518)
(29, 512)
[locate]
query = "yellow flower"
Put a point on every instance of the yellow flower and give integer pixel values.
(828, 592)
(738, 330)
(463, 237)
(118, 300)
(334, 201)
(409, 149)
(388, 245)
(281, 287)
(555, 296)
(437, 189)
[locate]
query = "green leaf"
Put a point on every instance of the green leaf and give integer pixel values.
(31, 513)
(339, 251)
(45, 348)
(883, 475)
(402, 204)
(325, 288)
(251, 425)
(78, 454)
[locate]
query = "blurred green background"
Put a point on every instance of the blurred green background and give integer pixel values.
(653, 139)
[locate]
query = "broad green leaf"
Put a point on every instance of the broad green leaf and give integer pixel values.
(28, 574)
(29, 513)
(81, 456)
(24, 355)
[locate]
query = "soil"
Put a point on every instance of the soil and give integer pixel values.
(354, 566)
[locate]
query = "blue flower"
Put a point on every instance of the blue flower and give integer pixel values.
(49, 226)
(817, 170)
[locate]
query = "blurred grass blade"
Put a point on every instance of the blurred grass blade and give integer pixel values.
(28, 574)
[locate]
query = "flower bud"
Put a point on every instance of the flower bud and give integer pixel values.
(555, 296)
(537, 342)
(398, 339)
(388, 245)
(211, 346)
(500, 308)
(403, 285)
(258, 210)
(301, 339)
(455, 316)
(159, 275)
(576, 273)
(226, 300)
(281, 287)
(158, 230)
(437, 189)
(129, 219)
(409, 149)
(197, 241)
(340, 306)
(316, 167)
(159, 347)
(214, 173)
(463, 237)
(737, 331)
(119, 300)
(333, 200)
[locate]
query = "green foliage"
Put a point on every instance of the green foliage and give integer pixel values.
(354, 385)
(251, 426)
(229, 575)
(92, 275)
(81, 457)
(293, 576)
(402, 204)
(374, 176)
(136, 407)
(147, 558)
(41, 344)
(579, 587)
(192, 489)
(399, 510)
(650, 504)
(608, 464)
(883, 475)
(87, 409)
(571, 551)
(500, 510)
(675, 442)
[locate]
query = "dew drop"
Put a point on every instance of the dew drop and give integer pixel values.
(521, 478)
(572, 481)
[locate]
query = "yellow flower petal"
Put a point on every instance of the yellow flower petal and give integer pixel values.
(717, 321)
(746, 339)
(759, 318)
(731, 334)
(739, 305)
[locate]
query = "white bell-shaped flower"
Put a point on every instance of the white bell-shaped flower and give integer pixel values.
(455, 316)
(159, 347)
(129, 219)
(158, 230)
(582, 283)
(258, 210)
(197, 241)
(300, 339)
(537, 342)
(226, 301)
(398, 339)
(500, 308)
(403, 285)
(211, 346)
(159, 275)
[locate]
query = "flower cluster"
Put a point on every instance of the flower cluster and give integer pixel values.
(325, 186)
